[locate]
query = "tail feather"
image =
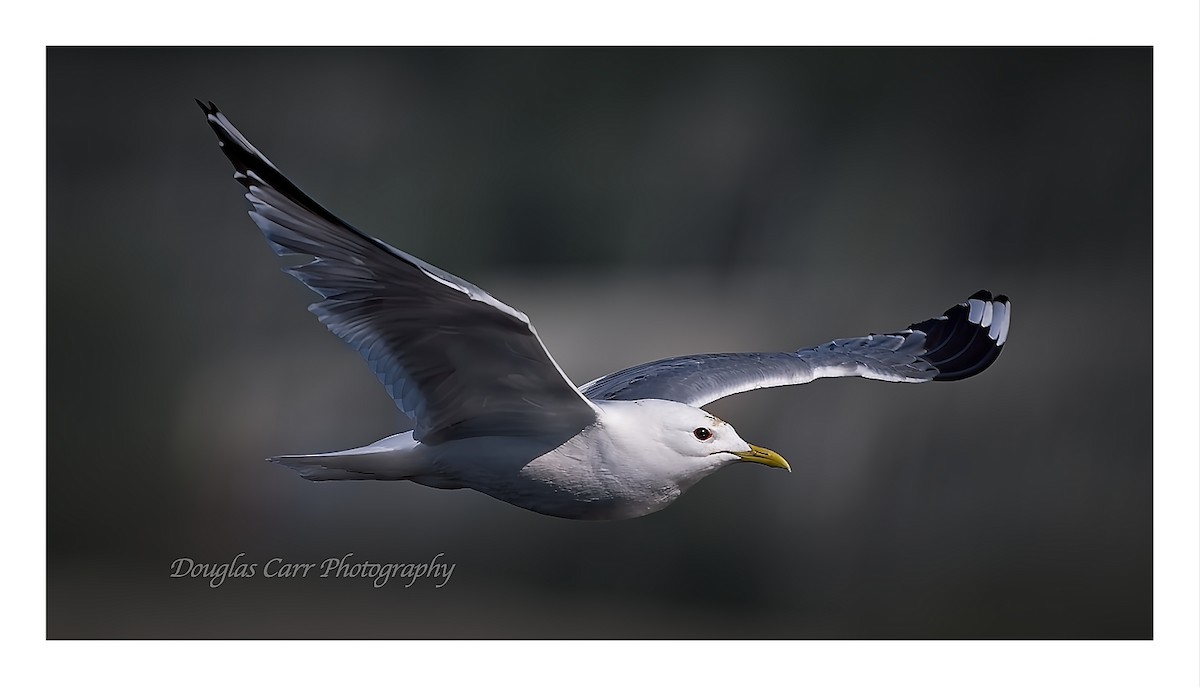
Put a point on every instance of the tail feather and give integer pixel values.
(368, 462)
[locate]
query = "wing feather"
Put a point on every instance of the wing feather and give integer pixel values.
(961, 343)
(457, 361)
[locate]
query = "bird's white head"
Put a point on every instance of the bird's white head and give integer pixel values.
(682, 440)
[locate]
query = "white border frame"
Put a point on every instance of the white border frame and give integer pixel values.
(1171, 27)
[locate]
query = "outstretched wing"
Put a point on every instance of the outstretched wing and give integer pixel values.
(961, 343)
(456, 360)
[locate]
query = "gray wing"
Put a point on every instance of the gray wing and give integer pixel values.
(456, 360)
(956, 345)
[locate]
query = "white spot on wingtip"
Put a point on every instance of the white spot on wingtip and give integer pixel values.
(987, 315)
(998, 316)
(1004, 325)
(976, 313)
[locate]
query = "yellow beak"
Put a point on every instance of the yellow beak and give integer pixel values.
(766, 456)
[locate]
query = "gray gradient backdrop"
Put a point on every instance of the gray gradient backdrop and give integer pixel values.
(636, 204)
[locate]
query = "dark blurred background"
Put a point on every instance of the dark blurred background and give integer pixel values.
(636, 204)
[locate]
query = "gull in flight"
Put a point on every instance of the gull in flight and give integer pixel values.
(493, 412)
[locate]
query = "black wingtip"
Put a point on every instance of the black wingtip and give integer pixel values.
(244, 156)
(968, 338)
(253, 168)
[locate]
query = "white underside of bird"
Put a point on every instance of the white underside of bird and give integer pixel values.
(613, 469)
(492, 410)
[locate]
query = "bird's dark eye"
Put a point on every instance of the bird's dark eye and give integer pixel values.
(702, 433)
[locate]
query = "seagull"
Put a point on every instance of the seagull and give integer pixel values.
(491, 409)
